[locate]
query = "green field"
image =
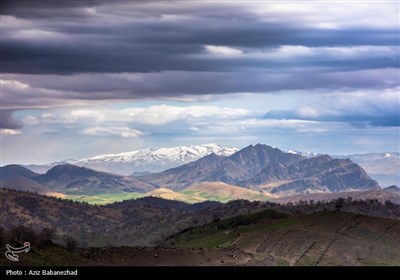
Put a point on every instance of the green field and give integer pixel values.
(102, 199)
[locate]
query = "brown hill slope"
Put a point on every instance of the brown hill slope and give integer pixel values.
(136, 224)
(223, 192)
(324, 238)
(247, 232)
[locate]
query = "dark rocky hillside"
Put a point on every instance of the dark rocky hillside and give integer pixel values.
(261, 166)
(70, 179)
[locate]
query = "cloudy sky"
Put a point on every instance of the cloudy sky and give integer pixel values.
(80, 78)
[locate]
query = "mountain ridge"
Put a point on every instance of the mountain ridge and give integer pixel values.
(259, 167)
(261, 164)
(382, 167)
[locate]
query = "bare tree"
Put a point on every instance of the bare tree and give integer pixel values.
(70, 243)
(45, 237)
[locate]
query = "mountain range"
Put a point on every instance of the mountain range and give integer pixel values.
(264, 168)
(382, 167)
(259, 168)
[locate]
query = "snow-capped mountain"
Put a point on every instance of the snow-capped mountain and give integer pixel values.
(383, 167)
(147, 160)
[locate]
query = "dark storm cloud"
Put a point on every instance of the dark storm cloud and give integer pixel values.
(140, 37)
(59, 51)
(48, 90)
(109, 54)
(44, 8)
(7, 121)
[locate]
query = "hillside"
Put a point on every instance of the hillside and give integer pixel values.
(260, 165)
(210, 191)
(74, 179)
(15, 171)
(383, 167)
(246, 233)
(136, 224)
(24, 184)
(223, 192)
(325, 238)
(170, 194)
(139, 222)
(129, 256)
(70, 179)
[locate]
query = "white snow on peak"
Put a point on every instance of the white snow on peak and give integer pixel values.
(304, 154)
(292, 152)
(183, 153)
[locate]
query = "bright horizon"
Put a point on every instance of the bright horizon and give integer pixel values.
(83, 79)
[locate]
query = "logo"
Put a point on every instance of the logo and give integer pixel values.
(12, 252)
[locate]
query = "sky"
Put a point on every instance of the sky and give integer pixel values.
(81, 78)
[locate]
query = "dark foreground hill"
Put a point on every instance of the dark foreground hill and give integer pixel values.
(141, 222)
(263, 238)
(55, 255)
(147, 221)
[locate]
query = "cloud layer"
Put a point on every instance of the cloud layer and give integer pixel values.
(357, 108)
(146, 73)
